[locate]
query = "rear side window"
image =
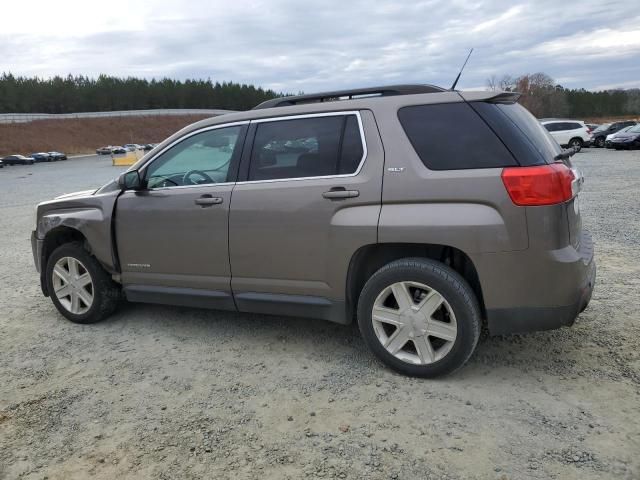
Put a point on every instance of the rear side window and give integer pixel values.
(452, 137)
(523, 134)
(306, 147)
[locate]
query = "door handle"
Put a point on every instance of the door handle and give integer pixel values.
(339, 193)
(208, 200)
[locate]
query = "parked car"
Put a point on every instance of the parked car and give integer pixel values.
(600, 133)
(18, 160)
(130, 147)
(424, 213)
(149, 146)
(627, 140)
(41, 157)
(592, 126)
(57, 156)
(104, 150)
(118, 150)
(607, 142)
(568, 133)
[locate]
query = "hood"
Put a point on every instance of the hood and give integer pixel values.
(83, 193)
(626, 136)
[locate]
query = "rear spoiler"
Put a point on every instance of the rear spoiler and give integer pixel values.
(491, 97)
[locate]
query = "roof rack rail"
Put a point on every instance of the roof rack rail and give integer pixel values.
(386, 91)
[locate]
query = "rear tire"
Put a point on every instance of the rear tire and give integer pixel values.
(439, 341)
(576, 143)
(88, 298)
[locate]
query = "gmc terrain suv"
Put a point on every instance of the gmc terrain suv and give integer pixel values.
(423, 213)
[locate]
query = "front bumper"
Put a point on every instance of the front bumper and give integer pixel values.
(626, 144)
(570, 280)
(36, 249)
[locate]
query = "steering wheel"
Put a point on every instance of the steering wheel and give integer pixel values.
(187, 180)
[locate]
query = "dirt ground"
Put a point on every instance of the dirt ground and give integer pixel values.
(84, 135)
(161, 392)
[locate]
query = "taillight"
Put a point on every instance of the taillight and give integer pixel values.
(539, 185)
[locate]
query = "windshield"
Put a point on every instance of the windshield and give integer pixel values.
(634, 129)
(602, 128)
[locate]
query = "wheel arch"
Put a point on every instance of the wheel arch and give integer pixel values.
(53, 239)
(370, 258)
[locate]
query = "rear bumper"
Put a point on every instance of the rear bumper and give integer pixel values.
(532, 319)
(554, 289)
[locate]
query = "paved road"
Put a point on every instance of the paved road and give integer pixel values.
(161, 392)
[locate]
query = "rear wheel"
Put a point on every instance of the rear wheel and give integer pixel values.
(78, 285)
(576, 144)
(419, 317)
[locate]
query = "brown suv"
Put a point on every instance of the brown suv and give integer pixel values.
(422, 213)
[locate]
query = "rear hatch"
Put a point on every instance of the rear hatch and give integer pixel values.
(532, 145)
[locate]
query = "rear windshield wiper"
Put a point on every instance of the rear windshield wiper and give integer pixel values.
(565, 153)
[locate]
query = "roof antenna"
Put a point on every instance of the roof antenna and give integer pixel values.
(463, 65)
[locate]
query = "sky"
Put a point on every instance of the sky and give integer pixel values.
(294, 46)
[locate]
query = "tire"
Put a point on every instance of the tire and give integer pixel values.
(599, 142)
(459, 313)
(105, 292)
(576, 143)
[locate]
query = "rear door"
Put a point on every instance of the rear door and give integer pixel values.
(172, 236)
(307, 199)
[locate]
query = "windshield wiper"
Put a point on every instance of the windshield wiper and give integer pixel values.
(565, 153)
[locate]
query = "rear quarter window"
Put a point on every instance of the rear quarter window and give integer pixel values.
(453, 137)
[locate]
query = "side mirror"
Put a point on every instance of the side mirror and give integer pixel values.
(130, 180)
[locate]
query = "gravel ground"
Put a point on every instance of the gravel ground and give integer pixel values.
(161, 392)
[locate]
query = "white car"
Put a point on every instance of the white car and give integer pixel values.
(568, 133)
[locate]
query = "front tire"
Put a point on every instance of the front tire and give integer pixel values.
(78, 285)
(420, 317)
(599, 142)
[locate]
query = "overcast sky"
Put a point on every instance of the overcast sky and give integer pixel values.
(307, 46)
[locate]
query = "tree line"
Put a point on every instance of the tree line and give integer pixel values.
(107, 93)
(544, 98)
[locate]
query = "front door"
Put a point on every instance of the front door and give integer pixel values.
(310, 197)
(172, 236)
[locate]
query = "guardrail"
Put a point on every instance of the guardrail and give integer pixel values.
(29, 117)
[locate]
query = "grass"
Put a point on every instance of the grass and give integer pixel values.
(73, 136)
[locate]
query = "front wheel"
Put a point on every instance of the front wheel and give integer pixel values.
(599, 142)
(78, 285)
(419, 317)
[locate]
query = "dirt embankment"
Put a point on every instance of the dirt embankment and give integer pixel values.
(601, 120)
(85, 135)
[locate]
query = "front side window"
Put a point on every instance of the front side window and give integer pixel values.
(201, 159)
(306, 147)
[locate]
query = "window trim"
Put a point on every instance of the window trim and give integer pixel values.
(143, 168)
(309, 115)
